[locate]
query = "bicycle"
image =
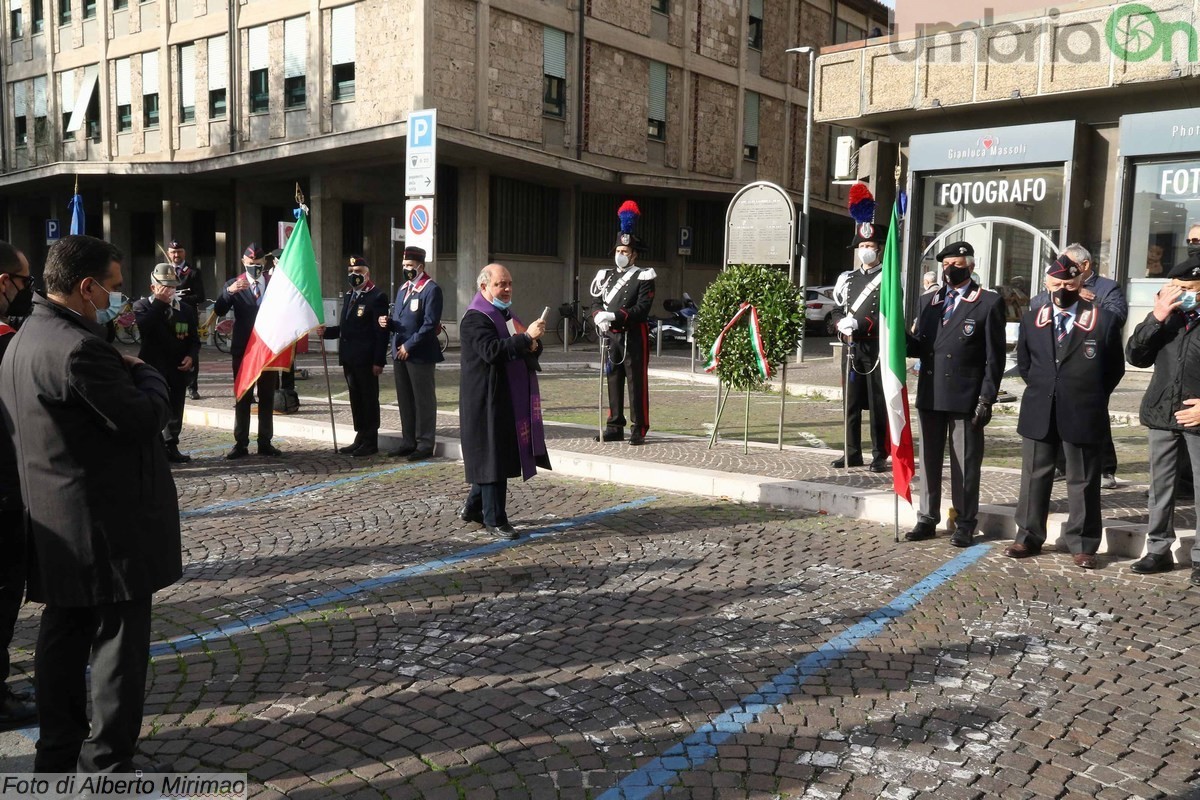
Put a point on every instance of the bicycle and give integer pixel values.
(125, 325)
(221, 330)
(577, 324)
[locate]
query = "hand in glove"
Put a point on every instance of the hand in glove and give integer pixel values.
(604, 318)
(983, 414)
(847, 325)
(604, 326)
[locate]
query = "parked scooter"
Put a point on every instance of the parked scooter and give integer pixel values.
(674, 327)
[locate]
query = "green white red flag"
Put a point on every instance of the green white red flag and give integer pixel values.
(892, 353)
(291, 307)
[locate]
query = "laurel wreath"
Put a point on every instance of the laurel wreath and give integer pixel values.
(780, 314)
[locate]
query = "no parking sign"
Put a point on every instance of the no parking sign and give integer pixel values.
(418, 220)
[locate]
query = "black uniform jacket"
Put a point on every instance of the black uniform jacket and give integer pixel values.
(100, 502)
(245, 311)
(168, 336)
(1174, 352)
(1068, 386)
(630, 294)
(191, 287)
(867, 315)
(963, 360)
(362, 343)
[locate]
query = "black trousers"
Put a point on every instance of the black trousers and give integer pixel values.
(629, 362)
(265, 388)
(116, 637)
(1083, 465)
(177, 384)
(12, 582)
(193, 382)
(491, 499)
(864, 390)
(363, 384)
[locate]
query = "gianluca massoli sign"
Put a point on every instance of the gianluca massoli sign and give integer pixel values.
(1022, 31)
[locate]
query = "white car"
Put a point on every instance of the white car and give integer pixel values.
(820, 309)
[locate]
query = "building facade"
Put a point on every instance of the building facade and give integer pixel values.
(1027, 133)
(194, 120)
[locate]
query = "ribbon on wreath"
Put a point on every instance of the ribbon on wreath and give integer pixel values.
(760, 353)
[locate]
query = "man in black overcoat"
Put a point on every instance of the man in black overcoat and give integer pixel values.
(101, 509)
(191, 293)
(1069, 354)
(499, 408)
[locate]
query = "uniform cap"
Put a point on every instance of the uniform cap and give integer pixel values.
(253, 251)
(414, 254)
(1063, 268)
(175, 244)
(1187, 270)
(869, 232)
(359, 261)
(164, 275)
(954, 250)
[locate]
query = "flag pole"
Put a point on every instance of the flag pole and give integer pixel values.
(895, 495)
(324, 354)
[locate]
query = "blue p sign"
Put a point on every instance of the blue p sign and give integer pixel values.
(421, 130)
(53, 231)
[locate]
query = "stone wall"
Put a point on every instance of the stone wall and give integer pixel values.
(616, 109)
(384, 88)
(452, 59)
(772, 140)
(720, 30)
(515, 78)
(633, 15)
(714, 134)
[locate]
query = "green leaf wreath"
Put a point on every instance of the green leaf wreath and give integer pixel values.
(780, 315)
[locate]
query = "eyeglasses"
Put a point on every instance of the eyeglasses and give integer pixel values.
(1193, 241)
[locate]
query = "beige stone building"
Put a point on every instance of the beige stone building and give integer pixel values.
(1037, 130)
(194, 120)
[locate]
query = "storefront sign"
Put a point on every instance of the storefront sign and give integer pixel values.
(1043, 143)
(1180, 182)
(1003, 190)
(1160, 133)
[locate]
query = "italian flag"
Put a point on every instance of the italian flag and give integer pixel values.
(288, 312)
(892, 352)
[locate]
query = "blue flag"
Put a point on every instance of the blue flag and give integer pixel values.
(77, 218)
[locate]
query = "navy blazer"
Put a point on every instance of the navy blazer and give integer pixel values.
(415, 322)
(962, 361)
(361, 342)
(245, 311)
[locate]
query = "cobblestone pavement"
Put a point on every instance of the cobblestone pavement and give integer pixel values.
(340, 633)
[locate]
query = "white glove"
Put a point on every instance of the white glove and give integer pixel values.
(604, 326)
(847, 325)
(604, 319)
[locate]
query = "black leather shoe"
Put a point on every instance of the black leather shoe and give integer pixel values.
(350, 448)
(195, 395)
(238, 451)
(365, 450)
(879, 465)
(1151, 563)
(15, 712)
(400, 452)
(469, 516)
(176, 457)
(963, 537)
(922, 531)
(502, 532)
(840, 463)
(420, 455)
(611, 435)
(1195, 579)
(636, 440)
(269, 450)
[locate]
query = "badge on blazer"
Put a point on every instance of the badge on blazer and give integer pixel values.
(414, 304)
(361, 310)
(1089, 348)
(968, 327)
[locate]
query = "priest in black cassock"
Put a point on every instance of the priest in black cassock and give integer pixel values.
(499, 408)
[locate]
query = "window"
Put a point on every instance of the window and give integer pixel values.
(295, 59)
(17, 25)
(755, 28)
(706, 218)
(20, 121)
(66, 101)
(124, 93)
(750, 127)
(64, 12)
(661, 6)
(657, 123)
(353, 227)
(120, 4)
(89, 9)
(41, 125)
(187, 83)
(150, 110)
(598, 218)
(342, 46)
(523, 218)
(1165, 205)
(218, 72)
(91, 118)
(845, 32)
(446, 211)
(37, 15)
(554, 72)
(85, 103)
(150, 89)
(260, 91)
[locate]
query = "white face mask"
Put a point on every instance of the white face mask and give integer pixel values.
(867, 255)
(622, 261)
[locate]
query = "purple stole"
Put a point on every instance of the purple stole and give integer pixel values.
(523, 389)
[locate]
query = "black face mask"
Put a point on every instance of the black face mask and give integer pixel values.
(356, 279)
(1065, 298)
(956, 275)
(410, 274)
(22, 304)
(1193, 250)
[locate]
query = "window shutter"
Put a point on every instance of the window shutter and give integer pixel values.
(66, 90)
(83, 98)
(15, 5)
(750, 126)
(554, 53)
(218, 62)
(150, 72)
(295, 47)
(19, 105)
(342, 35)
(123, 84)
(187, 75)
(658, 91)
(756, 9)
(39, 96)
(256, 42)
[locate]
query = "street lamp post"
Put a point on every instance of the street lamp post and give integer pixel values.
(811, 52)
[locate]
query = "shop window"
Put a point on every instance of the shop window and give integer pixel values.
(343, 81)
(1166, 204)
(294, 92)
(260, 93)
(523, 218)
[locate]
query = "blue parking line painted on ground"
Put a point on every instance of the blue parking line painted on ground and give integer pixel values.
(189, 641)
(312, 487)
(659, 774)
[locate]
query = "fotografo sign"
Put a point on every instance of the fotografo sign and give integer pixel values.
(1131, 32)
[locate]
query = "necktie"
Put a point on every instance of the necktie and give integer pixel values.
(1060, 326)
(951, 302)
(255, 291)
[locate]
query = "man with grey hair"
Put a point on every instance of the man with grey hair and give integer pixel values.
(929, 282)
(1106, 294)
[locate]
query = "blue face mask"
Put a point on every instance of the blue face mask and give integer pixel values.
(106, 315)
(501, 304)
(1187, 301)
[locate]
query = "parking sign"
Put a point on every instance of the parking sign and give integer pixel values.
(420, 162)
